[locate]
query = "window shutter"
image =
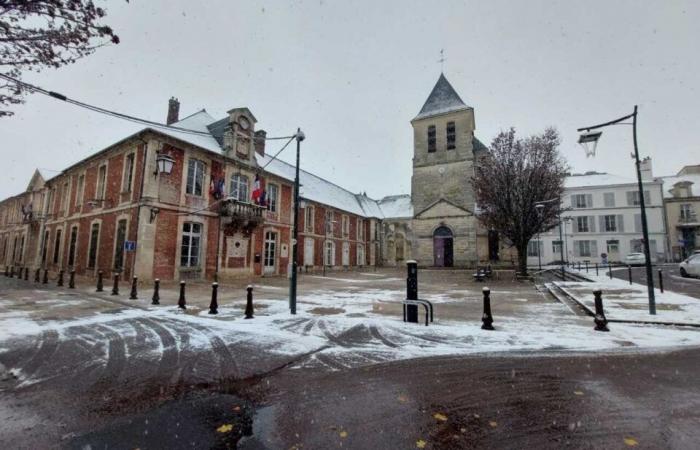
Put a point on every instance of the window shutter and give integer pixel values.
(647, 198)
(573, 201)
(594, 249)
(601, 222)
(589, 200)
(577, 249)
(620, 223)
(540, 250)
(652, 247)
(591, 224)
(630, 198)
(637, 222)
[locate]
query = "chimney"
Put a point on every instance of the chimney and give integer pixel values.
(259, 142)
(173, 111)
(645, 168)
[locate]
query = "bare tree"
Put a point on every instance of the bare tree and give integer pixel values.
(38, 34)
(512, 178)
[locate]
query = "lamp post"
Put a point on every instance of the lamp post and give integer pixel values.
(539, 207)
(295, 231)
(589, 139)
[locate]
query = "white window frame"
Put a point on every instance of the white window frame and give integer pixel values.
(345, 225)
(610, 222)
(80, 189)
(238, 183)
(329, 253)
(361, 261)
(272, 199)
(309, 218)
(360, 229)
(197, 168)
(581, 247)
(101, 183)
(579, 222)
(192, 258)
(128, 172)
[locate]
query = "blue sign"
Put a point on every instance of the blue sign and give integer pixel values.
(129, 246)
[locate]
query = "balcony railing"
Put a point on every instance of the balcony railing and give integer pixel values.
(688, 218)
(241, 215)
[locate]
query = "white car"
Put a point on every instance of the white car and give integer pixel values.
(635, 259)
(691, 266)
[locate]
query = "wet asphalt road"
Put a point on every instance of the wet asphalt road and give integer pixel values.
(671, 277)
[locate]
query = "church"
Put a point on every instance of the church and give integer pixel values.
(199, 198)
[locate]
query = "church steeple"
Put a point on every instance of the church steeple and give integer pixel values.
(442, 99)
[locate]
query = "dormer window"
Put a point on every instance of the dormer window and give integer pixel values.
(451, 136)
(431, 139)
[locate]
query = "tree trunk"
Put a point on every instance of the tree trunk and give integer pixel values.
(522, 260)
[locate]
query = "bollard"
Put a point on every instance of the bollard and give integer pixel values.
(37, 276)
(579, 266)
(71, 280)
(181, 303)
(661, 281)
(610, 271)
(7, 271)
(487, 318)
(115, 287)
(629, 273)
(596, 269)
(600, 321)
(60, 278)
(249, 302)
(133, 295)
(411, 311)
(26, 274)
(586, 266)
(155, 300)
(214, 305)
(45, 280)
(100, 286)
(12, 271)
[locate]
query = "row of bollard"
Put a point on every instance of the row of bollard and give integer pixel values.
(133, 295)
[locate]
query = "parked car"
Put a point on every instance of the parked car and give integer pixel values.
(691, 266)
(635, 259)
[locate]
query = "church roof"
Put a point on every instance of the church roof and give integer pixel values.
(443, 99)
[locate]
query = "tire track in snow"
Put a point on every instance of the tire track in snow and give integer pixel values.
(374, 331)
(227, 364)
(169, 356)
(47, 348)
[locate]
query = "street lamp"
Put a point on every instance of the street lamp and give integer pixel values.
(164, 164)
(589, 141)
(539, 207)
(295, 233)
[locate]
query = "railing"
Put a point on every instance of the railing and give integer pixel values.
(241, 215)
(689, 218)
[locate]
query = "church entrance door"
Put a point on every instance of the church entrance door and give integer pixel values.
(443, 247)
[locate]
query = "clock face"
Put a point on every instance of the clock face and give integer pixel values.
(243, 122)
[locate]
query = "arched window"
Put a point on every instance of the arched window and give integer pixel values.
(239, 187)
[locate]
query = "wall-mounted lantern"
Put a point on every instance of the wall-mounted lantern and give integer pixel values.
(164, 164)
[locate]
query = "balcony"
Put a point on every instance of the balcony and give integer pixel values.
(240, 216)
(688, 220)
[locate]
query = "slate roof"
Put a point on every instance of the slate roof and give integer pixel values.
(669, 182)
(443, 99)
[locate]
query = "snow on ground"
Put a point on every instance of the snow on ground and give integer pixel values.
(625, 301)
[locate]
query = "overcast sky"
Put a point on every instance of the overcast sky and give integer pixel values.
(353, 74)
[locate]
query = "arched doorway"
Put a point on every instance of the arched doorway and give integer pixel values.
(442, 247)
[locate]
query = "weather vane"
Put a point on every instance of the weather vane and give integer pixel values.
(442, 60)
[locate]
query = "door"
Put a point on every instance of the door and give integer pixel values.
(443, 247)
(270, 253)
(308, 252)
(346, 253)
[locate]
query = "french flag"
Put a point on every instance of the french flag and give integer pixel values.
(257, 189)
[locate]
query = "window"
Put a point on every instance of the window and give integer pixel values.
(633, 198)
(431, 139)
(239, 187)
(609, 199)
(128, 172)
(556, 248)
(272, 195)
(119, 245)
(309, 219)
(94, 242)
(191, 238)
(533, 248)
(583, 248)
(638, 223)
(329, 222)
(610, 223)
(582, 224)
(360, 229)
(582, 200)
(71, 246)
(329, 254)
(79, 191)
(345, 220)
(613, 246)
(101, 183)
(57, 247)
(20, 255)
(195, 177)
(451, 136)
(360, 255)
(687, 213)
(65, 195)
(44, 248)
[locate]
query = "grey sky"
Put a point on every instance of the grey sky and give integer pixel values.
(353, 74)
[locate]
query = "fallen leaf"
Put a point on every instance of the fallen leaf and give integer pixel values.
(440, 417)
(578, 393)
(225, 428)
(343, 434)
(493, 424)
(420, 443)
(403, 398)
(631, 442)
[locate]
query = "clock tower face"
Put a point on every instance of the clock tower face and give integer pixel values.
(244, 123)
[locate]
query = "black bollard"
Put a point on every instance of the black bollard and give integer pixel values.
(45, 280)
(71, 280)
(37, 276)
(12, 271)
(661, 281)
(115, 288)
(411, 311)
(586, 266)
(26, 274)
(100, 285)
(60, 278)
(7, 271)
(214, 305)
(155, 300)
(249, 302)
(600, 321)
(596, 269)
(181, 303)
(579, 266)
(629, 273)
(133, 295)
(610, 271)
(487, 318)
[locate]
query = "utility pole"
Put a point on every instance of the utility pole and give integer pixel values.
(295, 231)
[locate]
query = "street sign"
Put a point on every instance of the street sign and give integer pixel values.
(129, 246)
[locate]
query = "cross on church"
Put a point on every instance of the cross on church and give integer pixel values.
(442, 60)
